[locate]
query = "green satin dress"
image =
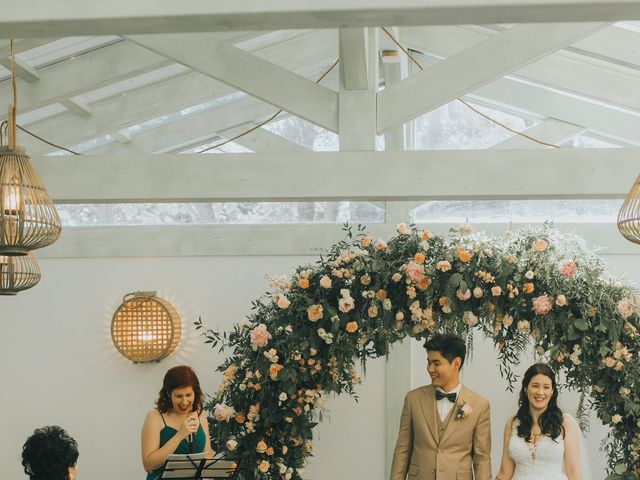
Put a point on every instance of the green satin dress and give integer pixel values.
(167, 433)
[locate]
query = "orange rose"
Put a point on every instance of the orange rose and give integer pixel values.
(264, 466)
(303, 283)
(420, 257)
(425, 235)
(270, 451)
(424, 283)
(351, 327)
(314, 312)
(366, 241)
(528, 287)
(240, 418)
(261, 447)
(381, 294)
(274, 369)
(444, 301)
(463, 254)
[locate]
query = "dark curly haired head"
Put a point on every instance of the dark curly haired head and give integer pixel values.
(180, 377)
(49, 453)
(551, 419)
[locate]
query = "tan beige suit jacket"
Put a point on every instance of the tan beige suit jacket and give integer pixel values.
(462, 451)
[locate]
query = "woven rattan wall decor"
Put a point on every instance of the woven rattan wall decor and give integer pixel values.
(145, 327)
(18, 273)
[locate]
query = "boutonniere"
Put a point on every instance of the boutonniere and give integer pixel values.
(463, 409)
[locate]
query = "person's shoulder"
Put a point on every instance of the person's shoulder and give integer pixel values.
(416, 392)
(153, 415)
(475, 396)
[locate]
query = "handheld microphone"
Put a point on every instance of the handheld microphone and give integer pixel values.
(191, 443)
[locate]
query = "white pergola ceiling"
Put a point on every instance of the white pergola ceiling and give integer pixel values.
(133, 87)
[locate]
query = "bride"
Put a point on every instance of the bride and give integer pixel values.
(540, 442)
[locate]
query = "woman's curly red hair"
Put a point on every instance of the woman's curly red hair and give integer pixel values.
(180, 377)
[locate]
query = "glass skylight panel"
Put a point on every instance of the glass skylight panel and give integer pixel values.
(173, 214)
(64, 48)
(518, 211)
(588, 141)
(230, 147)
(134, 83)
(455, 126)
(304, 133)
(85, 146)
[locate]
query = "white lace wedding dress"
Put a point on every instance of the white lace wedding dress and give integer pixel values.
(544, 460)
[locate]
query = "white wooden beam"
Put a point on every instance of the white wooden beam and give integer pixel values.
(262, 140)
(487, 61)
(229, 240)
(246, 72)
(550, 131)
(354, 58)
(77, 106)
(23, 69)
(357, 106)
(45, 18)
(416, 175)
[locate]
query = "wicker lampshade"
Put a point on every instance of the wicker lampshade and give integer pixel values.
(18, 273)
(145, 328)
(629, 214)
(28, 218)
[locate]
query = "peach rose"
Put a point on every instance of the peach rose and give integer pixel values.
(399, 316)
(270, 451)
(232, 445)
(315, 312)
(396, 277)
(274, 369)
(625, 308)
(365, 279)
(402, 229)
(381, 294)
(264, 466)
(424, 283)
(528, 287)
(419, 257)
(470, 318)
(261, 447)
(325, 281)
(443, 266)
(366, 241)
(540, 245)
(380, 244)
(507, 320)
(425, 235)
(561, 300)
(542, 304)
(303, 283)
(260, 336)
(478, 292)
(524, 326)
(372, 311)
(351, 327)
(281, 301)
(616, 418)
(496, 291)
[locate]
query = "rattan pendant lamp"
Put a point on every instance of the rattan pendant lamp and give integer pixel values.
(18, 273)
(629, 214)
(28, 218)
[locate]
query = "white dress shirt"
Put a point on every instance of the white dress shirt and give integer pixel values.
(444, 405)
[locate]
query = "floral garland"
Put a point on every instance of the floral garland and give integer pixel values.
(302, 340)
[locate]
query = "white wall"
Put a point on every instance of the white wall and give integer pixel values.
(58, 366)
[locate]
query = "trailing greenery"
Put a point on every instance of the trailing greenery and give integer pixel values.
(303, 338)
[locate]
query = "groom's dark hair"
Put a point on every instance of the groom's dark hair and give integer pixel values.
(450, 346)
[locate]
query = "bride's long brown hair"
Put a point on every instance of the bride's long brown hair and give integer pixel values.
(551, 419)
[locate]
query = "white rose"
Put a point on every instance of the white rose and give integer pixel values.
(282, 397)
(386, 304)
(530, 274)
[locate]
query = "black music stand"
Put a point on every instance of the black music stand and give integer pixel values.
(195, 467)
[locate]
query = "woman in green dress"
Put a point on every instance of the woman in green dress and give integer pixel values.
(177, 424)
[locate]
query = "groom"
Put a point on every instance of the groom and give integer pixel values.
(445, 428)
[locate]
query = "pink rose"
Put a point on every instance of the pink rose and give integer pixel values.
(223, 412)
(542, 304)
(568, 268)
(414, 271)
(325, 282)
(625, 309)
(463, 296)
(346, 304)
(260, 336)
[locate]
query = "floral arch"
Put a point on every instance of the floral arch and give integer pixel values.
(303, 339)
